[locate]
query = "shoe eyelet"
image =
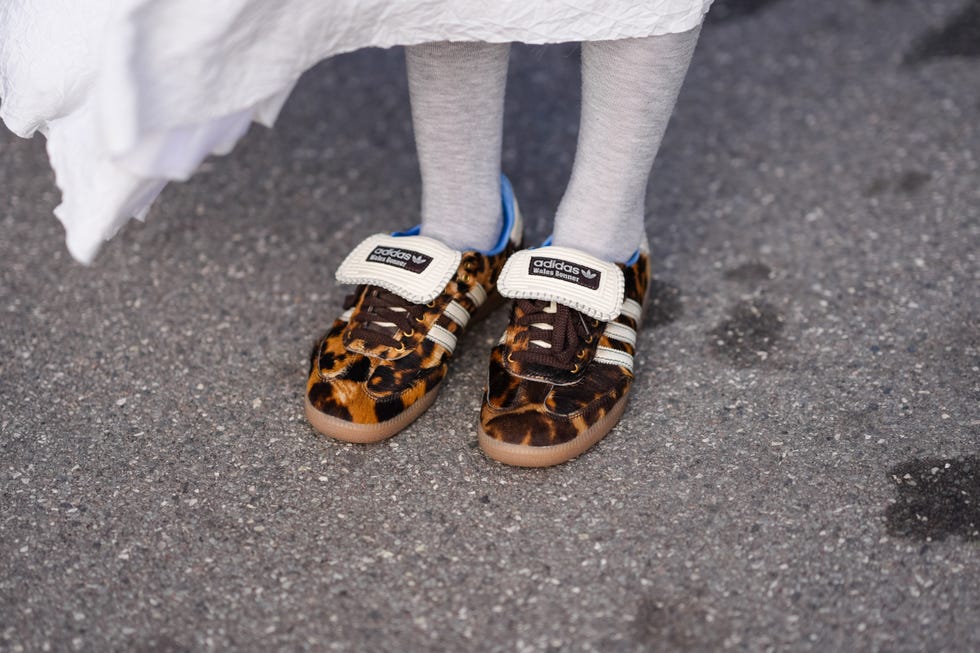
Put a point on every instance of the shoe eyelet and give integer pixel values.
(576, 368)
(510, 357)
(582, 354)
(408, 334)
(590, 339)
(431, 304)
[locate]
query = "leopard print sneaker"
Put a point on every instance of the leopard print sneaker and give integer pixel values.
(560, 376)
(381, 364)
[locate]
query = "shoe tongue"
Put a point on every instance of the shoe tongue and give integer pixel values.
(415, 268)
(568, 276)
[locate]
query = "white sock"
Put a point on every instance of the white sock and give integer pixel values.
(457, 93)
(629, 88)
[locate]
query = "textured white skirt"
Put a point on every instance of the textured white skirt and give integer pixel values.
(134, 93)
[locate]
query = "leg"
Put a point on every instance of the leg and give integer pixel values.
(560, 376)
(382, 361)
(457, 93)
(629, 88)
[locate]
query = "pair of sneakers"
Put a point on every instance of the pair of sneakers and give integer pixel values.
(558, 379)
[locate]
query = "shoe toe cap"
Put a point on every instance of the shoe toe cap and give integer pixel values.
(537, 413)
(532, 426)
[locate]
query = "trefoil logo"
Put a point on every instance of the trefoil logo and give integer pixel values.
(557, 268)
(405, 259)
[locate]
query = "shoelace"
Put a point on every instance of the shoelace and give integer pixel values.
(555, 333)
(381, 316)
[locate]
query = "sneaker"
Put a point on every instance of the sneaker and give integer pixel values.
(560, 376)
(382, 362)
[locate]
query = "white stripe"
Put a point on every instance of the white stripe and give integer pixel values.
(442, 337)
(457, 313)
(613, 357)
(346, 315)
(631, 309)
(477, 294)
(518, 228)
(621, 332)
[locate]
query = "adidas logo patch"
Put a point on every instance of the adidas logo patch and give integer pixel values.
(400, 258)
(558, 269)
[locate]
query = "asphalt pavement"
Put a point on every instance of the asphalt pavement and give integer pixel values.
(798, 468)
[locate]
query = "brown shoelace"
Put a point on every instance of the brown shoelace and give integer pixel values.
(558, 336)
(381, 316)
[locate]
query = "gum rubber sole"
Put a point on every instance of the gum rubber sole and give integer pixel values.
(526, 455)
(341, 429)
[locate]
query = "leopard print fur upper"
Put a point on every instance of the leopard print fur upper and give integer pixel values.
(539, 405)
(366, 383)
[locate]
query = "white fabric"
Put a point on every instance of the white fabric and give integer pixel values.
(563, 275)
(385, 261)
(134, 93)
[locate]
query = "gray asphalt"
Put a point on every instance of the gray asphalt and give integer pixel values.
(797, 469)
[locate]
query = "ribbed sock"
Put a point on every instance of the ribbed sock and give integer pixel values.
(629, 88)
(457, 94)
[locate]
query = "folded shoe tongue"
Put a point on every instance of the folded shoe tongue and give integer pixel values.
(568, 276)
(415, 268)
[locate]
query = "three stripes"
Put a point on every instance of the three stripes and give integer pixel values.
(607, 355)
